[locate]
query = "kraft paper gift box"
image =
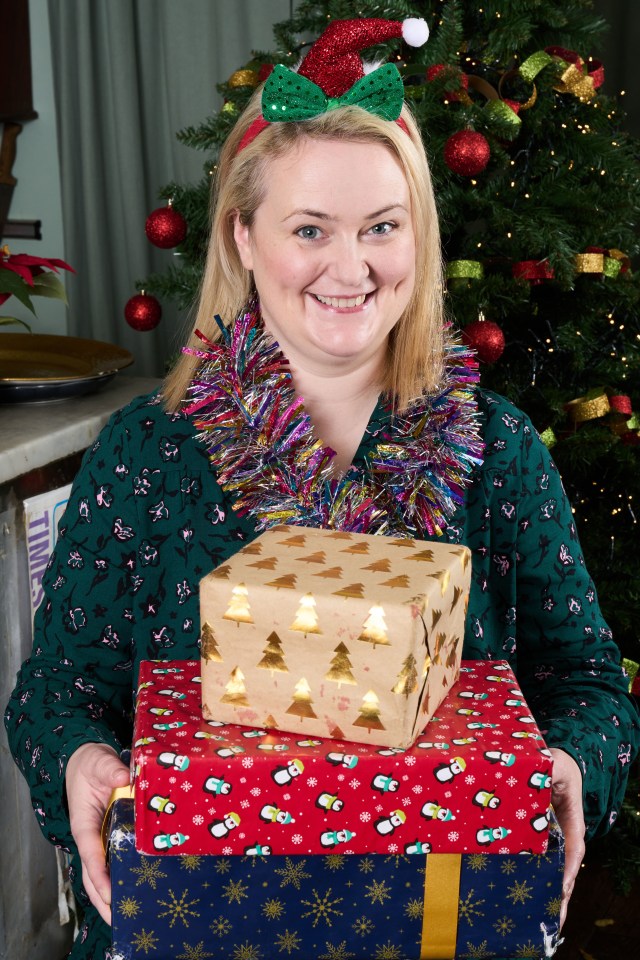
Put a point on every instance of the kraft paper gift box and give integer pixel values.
(332, 634)
(478, 779)
(331, 907)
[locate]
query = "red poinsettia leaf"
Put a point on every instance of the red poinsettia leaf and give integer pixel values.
(23, 272)
(27, 260)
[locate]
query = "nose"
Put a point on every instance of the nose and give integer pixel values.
(348, 264)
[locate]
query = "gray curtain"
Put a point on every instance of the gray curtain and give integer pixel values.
(128, 75)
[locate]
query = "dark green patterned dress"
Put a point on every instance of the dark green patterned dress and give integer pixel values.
(147, 519)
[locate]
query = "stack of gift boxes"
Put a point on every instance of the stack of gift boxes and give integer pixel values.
(330, 780)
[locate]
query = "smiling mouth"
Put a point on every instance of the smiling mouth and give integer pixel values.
(342, 302)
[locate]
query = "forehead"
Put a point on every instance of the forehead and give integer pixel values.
(340, 174)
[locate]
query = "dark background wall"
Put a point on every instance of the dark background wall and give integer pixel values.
(621, 54)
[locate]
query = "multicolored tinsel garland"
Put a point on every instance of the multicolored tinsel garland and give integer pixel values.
(263, 449)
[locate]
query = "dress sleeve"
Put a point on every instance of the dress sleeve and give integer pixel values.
(76, 687)
(567, 662)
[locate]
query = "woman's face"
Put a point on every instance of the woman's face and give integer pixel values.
(332, 250)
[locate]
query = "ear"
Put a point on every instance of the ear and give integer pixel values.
(242, 237)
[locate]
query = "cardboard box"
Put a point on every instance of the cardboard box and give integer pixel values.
(358, 907)
(333, 634)
(477, 779)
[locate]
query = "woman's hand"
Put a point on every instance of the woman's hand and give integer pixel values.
(566, 797)
(93, 771)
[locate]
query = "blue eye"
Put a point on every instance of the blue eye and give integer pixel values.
(308, 233)
(380, 229)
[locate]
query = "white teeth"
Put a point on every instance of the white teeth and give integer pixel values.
(342, 302)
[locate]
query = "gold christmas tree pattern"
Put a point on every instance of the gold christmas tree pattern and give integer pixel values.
(209, 648)
(341, 666)
(301, 705)
(287, 582)
(236, 691)
(273, 658)
(239, 609)
(353, 590)
(407, 682)
(369, 713)
(306, 619)
(374, 629)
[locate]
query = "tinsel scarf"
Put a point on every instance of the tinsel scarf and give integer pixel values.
(262, 445)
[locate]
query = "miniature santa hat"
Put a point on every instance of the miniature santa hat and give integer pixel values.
(334, 61)
(334, 64)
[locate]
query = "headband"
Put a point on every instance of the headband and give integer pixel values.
(333, 75)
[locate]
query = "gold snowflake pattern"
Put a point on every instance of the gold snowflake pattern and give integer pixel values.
(189, 861)
(508, 867)
(288, 941)
(246, 951)
(528, 951)
(477, 861)
(414, 909)
(145, 941)
(149, 872)
(378, 891)
(362, 926)
(469, 909)
(366, 865)
(520, 892)
(334, 862)
(553, 906)
(178, 908)
(292, 873)
(387, 951)
(235, 891)
(129, 907)
(194, 953)
(322, 907)
(220, 927)
(477, 951)
(221, 865)
(541, 859)
(396, 859)
(504, 925)
(273, 909)
(337, 952)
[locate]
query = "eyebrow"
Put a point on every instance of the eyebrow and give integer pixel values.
(319, 215)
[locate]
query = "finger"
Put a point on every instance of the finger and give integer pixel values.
(103, 907)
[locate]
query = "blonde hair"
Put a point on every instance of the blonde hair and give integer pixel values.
(416, 344)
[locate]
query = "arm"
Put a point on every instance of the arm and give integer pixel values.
(568, 664)
(76, 686)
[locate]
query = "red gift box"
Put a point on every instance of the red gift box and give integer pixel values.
(477, 780)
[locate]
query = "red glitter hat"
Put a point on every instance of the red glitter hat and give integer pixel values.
(334, 63)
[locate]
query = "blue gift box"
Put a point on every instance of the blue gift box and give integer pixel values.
(333, 907)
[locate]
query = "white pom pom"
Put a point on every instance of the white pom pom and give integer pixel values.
(415, 31)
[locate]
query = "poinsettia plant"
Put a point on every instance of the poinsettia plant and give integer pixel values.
(24, 276)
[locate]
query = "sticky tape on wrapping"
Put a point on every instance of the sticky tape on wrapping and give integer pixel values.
(440, 913)
(118, 793)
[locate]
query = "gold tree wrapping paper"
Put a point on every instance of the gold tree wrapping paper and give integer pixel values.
(331, 634)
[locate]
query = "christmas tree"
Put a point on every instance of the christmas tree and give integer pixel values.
(539, 195)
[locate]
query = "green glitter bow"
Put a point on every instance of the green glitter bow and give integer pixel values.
(289, 96)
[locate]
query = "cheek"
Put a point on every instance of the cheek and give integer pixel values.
(284, 268)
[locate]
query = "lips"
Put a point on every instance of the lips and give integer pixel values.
(342, 302)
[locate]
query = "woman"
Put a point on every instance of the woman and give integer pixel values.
(325, 239)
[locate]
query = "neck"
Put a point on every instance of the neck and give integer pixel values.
(340, 407)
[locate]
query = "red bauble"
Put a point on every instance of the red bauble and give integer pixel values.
(467, 152)
(486, 338)
(143, 312)
(165, 227)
